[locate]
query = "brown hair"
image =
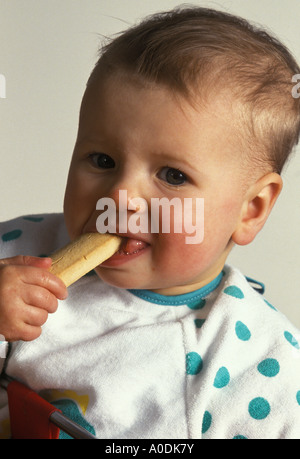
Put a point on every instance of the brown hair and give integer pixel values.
(184, 47)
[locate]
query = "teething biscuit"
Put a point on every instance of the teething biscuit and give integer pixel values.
(79, 257)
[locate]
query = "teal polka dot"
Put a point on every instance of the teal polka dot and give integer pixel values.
(270, 305)
(298, 397)
(199, 322)
(291, 339)
(11, 235)
(194, 363)
(199, 304)
(206, 423)
(234, 291)
(242, 331)
(222, 378)
(269, 367)
(240, 437)
(34, 219)
(259, 408)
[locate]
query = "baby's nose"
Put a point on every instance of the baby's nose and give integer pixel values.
(121, 197)
(118, 208)
(126, 192)
(129, 202)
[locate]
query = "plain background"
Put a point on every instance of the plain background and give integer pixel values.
(47, 51)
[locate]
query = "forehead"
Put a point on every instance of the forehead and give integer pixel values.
(128, 108)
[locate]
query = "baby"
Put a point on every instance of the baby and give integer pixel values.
(167, 340)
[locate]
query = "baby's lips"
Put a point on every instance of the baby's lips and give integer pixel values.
(131, 245)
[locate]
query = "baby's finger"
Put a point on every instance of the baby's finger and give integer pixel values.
(36, 316)
(40, 298)
(46, 280)
(26, 260)
(29, 332)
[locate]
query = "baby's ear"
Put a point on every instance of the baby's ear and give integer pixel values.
(259, 201)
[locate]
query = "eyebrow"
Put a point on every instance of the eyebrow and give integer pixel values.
(179, 159)
(88, 140)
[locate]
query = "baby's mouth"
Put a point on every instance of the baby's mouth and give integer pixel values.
(131, 246)
(130, 249)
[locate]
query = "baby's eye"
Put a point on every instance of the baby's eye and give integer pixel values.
(172, 176)
(102, 161)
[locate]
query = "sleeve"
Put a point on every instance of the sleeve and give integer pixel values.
(36, 235)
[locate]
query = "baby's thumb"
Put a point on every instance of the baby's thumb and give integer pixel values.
(27, 260)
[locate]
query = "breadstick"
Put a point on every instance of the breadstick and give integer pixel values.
(82, 255)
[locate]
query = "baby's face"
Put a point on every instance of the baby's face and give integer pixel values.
(147, 143)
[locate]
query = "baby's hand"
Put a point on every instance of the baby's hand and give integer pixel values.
(28, 293)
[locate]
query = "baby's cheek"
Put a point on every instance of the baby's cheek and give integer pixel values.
(176, 253)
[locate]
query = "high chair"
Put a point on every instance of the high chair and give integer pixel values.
(32, 417)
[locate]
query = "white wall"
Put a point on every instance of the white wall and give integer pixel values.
(47, 50)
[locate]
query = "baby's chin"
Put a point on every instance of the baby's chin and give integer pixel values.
(116, 277)
(120, 278)
(137, 282)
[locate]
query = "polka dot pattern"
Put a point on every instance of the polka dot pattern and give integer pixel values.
(17, 232)
(11, 235)
(222, 378)
(194, 363)
(234, 291)
(269, 367)
(206, 422)
(242, 331)
(198, 304)
(199, 322)
(291, 339)
(259, 407)
(34, 219)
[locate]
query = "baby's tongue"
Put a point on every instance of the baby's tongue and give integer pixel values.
(131, 246)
